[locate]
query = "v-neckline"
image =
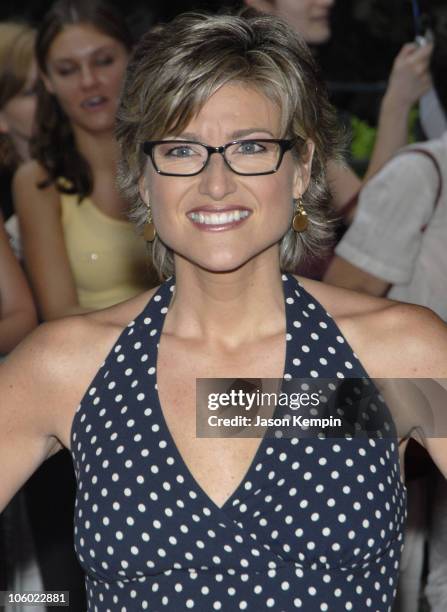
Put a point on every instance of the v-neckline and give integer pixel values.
(164, 425)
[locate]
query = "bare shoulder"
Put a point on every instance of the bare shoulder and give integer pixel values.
(64, 347)
(391, 339)
(42, 383)
(26, 190)
(52, 368)
(29, 173)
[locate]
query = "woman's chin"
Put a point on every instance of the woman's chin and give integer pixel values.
(225, 263)
(219, 264)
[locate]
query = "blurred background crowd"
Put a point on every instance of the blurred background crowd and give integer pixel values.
(356, 60)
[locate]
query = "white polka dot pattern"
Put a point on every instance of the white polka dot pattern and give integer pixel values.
(316, 524)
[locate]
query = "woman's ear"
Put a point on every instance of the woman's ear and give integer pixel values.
(143, 188)
(47, 82)
(303, 170)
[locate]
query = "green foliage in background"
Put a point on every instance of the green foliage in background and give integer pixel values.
(364, 135)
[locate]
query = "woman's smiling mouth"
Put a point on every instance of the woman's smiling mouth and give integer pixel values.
(219, 219)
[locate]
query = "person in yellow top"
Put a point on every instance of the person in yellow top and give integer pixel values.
(107, 257)
(81, 251)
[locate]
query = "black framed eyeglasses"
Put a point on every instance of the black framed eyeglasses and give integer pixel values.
(251, 157)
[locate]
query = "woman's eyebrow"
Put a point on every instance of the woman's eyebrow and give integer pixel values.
(90, 52)
(248, 131)
(234, 135)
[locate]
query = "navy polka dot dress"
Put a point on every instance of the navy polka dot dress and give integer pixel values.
(315, 524)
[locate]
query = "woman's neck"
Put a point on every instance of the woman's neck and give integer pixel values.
(228, 308)
(21, 145)
(100, 150)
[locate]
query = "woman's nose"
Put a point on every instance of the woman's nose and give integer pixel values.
(217, 180)
(88, 76)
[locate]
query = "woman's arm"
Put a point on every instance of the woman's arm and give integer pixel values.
(408, 343)
(420, 355)
(45, 254)
(26, 401)
(17, 312)
(43, 381)
(409, 80)
(344, 274)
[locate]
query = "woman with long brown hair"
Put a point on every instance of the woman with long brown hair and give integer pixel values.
(80, 250)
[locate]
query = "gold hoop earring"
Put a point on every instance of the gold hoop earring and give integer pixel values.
(149, 231)
(300, 220)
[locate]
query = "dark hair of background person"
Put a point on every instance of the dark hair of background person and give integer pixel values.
(54, 144)
(367, 35)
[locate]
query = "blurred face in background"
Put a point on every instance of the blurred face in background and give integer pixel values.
(85, 70)
(310, 18)
(17, 114)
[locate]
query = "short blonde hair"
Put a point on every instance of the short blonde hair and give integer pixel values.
(177, 67)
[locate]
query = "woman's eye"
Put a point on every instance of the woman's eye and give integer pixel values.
(105, 61)
(180, 152)
(66, 71)
(248, 148)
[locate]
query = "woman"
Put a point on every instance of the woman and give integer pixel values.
(163, 519)
(18, 76)
(80, 250)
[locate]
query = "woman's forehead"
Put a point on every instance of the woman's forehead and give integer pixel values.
(78, 40)
(237, 109)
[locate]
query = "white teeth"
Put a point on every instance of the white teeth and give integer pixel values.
(93, 101)
(218, 218)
